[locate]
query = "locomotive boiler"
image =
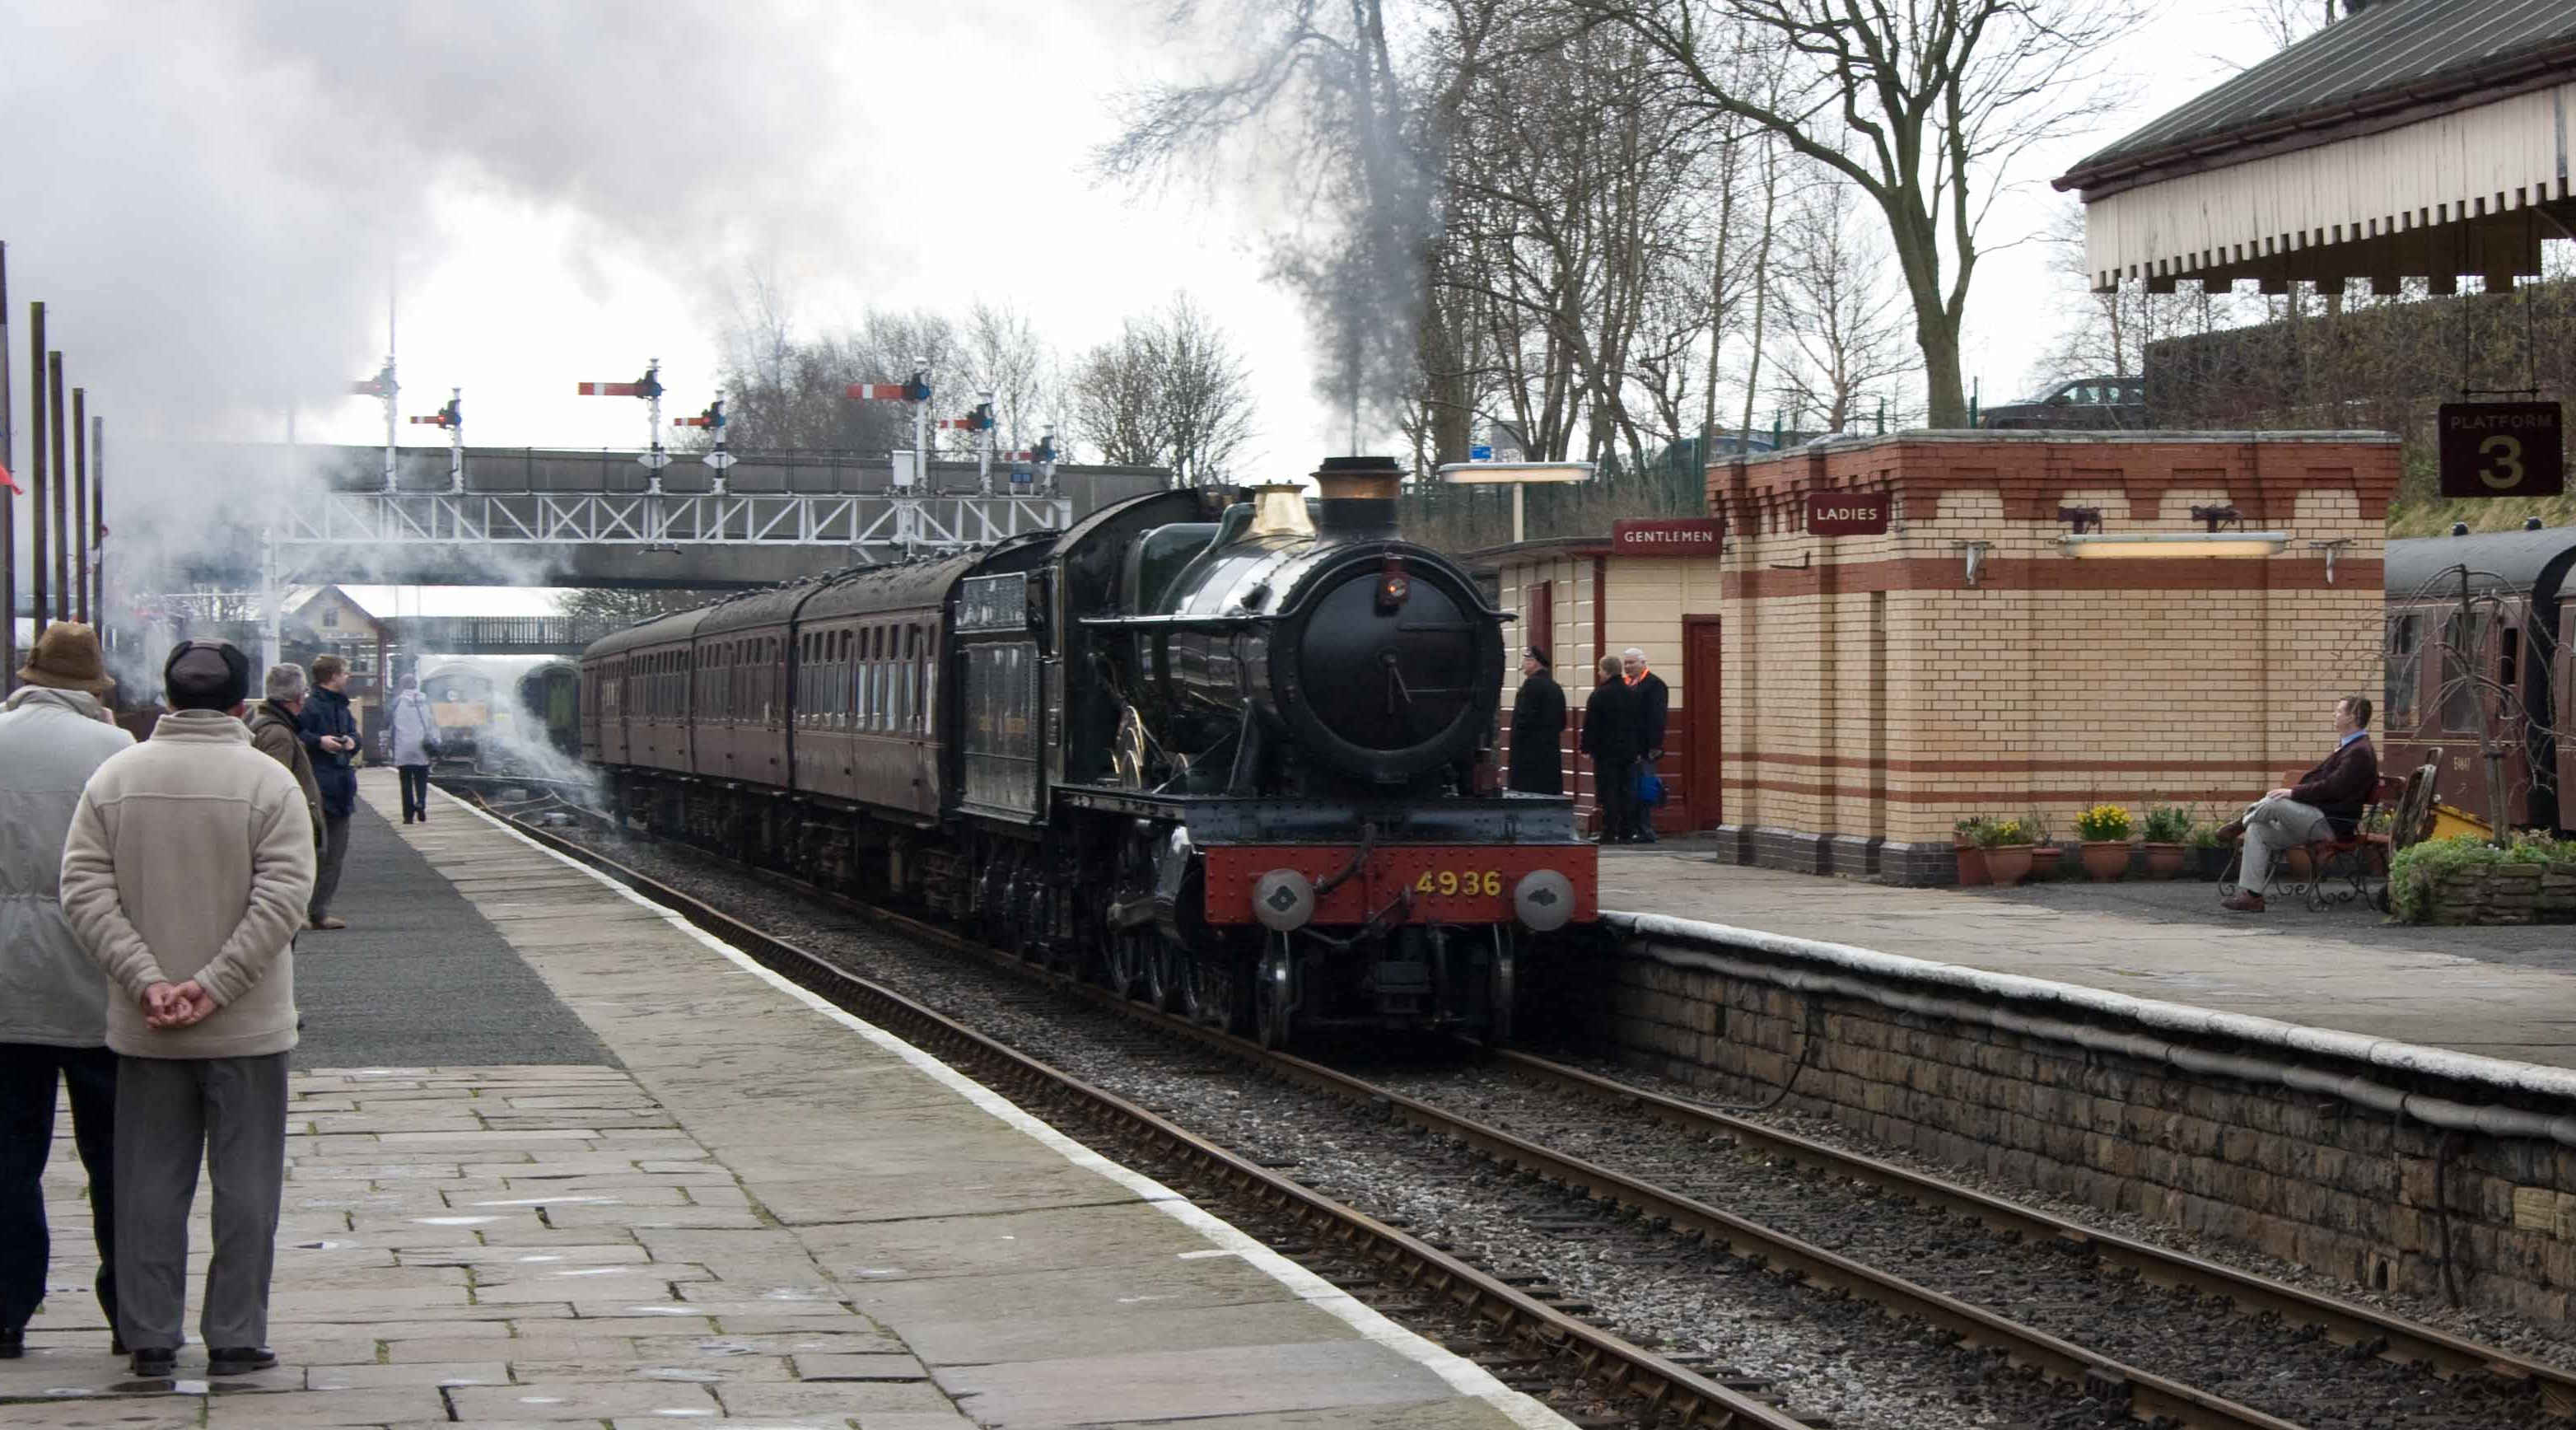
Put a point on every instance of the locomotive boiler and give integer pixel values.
(1218, 747)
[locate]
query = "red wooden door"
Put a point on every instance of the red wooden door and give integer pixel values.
(1703, 766)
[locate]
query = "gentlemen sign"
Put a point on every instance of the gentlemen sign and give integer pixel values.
(1672, 536)
(1846, 513)
(2502, 449)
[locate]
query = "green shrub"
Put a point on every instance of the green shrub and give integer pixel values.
(2167, 824)
(1972, 829)
(2418, 867)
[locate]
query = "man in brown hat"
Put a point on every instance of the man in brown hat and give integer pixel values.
(53, 1003)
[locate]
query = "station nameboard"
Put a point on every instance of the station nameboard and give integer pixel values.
(2502, 449)
(1668, 536)
(1846, 513)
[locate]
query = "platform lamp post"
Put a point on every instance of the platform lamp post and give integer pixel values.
(1519, 476)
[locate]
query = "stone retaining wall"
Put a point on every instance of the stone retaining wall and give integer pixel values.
(2307, 1176)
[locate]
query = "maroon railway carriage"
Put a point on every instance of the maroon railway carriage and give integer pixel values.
(2497, 671)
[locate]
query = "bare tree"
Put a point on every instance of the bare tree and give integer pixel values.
(2284, 23)
(1004, 354)
(1845, 319)
(621, 607)
(1168, 391)
(1923, 107)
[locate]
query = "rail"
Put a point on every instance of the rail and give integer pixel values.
(2147, 1396)
(1602, 1357)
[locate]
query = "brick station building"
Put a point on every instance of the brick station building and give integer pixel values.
(2043, 624)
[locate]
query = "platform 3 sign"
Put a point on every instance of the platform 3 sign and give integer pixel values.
(2502, 449)
(1846, 513)
(1672, 536)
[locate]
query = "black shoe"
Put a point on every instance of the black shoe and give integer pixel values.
(240, 1360)
(155, 1365)
(13, 1344)
(115, 1344)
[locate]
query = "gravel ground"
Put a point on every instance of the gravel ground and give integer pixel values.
(2547, 1344)
(1819, 1354)
(2291, 1372)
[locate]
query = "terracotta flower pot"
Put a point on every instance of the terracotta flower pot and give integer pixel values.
(2008, 864)
(2043, 861)
(2294, 863)
(2106, 860)
(1972, 866)
(2210, 861)
(2164, 861)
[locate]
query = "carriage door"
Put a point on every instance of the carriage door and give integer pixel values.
(1703, 767)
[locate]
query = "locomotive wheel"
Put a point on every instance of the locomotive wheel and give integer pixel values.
(1274, 994)
(1162, 973)
(1209, 995)
(1123, 958)
(1501, 990)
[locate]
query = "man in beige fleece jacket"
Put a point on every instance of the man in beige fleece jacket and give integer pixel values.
(185, 875)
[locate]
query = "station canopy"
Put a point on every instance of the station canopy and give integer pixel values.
(2415, 139)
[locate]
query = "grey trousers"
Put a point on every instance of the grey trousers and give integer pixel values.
(326, 873)
(2271, 826)
(170, 1113)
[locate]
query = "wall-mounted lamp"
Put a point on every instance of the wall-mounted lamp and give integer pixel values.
(1973, 557)
(2173, 544)
(2330, 548)
(2081, 519)
(2216, 516)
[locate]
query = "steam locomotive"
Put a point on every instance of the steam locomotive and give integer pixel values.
(1218, 747)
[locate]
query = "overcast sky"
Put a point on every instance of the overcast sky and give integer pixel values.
(214, 199)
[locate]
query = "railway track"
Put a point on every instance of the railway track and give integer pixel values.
(2144, 1395)
(1656, 1390)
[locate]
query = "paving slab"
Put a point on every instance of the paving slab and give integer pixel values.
(694, 1194)
(2499, 992)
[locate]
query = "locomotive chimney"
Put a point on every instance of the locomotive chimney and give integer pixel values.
(1358, 497)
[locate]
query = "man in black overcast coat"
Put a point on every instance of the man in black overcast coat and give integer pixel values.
(1653, 701)
(1538, 728)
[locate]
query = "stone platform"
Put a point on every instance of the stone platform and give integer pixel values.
(2506, 993)
(676, 1189)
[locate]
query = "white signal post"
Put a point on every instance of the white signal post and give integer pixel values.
(649, 387)
(451, 417)
(909, 470)
(714, 418)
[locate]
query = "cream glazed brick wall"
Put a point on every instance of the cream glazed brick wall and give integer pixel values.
(2011, 697)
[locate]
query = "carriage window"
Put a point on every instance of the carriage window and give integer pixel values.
(2461, 698)
(2405, 671)
(912, 678)
(2506, 667)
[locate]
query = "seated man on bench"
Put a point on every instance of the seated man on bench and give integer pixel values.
(2326, 803)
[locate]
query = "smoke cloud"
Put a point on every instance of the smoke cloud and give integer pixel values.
(212, 198)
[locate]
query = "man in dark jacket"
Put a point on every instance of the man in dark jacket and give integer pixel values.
(1610, 738)
(1654, 702)
(1538, 728)
(2326, 802)
(330, 733)
(275, 731)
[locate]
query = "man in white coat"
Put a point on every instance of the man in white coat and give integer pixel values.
(53, 1005)
(415, 743)
(187, 874)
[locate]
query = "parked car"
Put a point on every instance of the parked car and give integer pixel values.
(2085, 404)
